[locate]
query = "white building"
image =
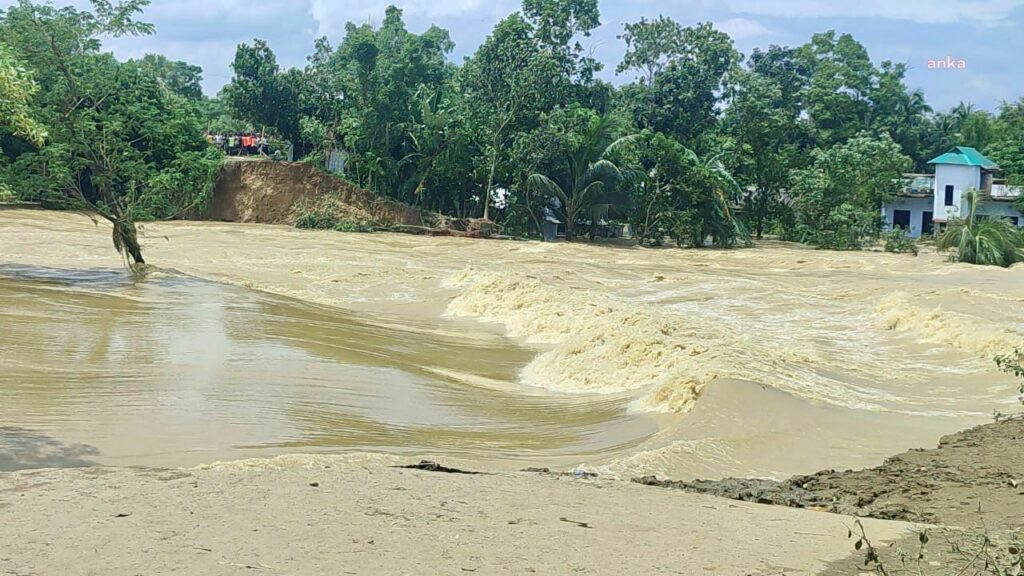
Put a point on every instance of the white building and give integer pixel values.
(927, 201)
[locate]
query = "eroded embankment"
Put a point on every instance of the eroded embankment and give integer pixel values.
(973, 476)
(268, 193)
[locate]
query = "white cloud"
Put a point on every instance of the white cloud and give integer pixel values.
(742, 28)
(331, 15)
(986, 12)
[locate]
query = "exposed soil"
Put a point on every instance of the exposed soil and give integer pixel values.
(980, 468)
(267, 192)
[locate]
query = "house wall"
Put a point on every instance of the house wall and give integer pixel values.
(962, 178)
(916, 206)
(1000, 210)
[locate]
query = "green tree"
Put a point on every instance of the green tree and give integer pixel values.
(16, 91)
(263, 95)
(588, 175)
(558, 24)
(683, 73)
(901, 113)
(838, 199)
(182, 78)
(508, 82)
(684, 196)
(767, 135)
(366, 97)
(1007, 148)
(837, 97)
(433, 136)
(651, 45)
(117, 136)
(991, 242)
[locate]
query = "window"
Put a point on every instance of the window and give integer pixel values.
(949, 195)
(927, 223)
(1015, 220)
(901, 219)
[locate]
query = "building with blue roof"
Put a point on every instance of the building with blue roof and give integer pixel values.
(928, 201)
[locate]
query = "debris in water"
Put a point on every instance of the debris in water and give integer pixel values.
(435, 467)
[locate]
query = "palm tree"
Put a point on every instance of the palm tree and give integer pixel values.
(722, 226)
(988, 242)
(588, 173)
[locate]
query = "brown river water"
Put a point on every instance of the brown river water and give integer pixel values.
(253, 341)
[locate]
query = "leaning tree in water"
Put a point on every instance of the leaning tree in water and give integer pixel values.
(119, 144)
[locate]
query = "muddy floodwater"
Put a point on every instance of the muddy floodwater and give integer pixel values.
(252, 341)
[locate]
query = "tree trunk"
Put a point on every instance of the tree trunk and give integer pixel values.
(126, 237)
(570, 222)
(490, 181)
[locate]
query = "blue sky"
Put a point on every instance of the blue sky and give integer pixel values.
(987, 34)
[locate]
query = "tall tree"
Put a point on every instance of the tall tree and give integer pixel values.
(841, 79)
(508, 82)
(766, 132)
(838, 199)
(684, 73)
(182, 78)
(901, 113)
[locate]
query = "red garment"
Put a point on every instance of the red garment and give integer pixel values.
(247, 141)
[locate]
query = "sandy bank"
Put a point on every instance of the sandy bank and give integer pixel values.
(266, 518)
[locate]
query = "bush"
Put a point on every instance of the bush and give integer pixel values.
(897, 242)
(346, 225)
(845, 228)
(1013, 364)
(328, 214)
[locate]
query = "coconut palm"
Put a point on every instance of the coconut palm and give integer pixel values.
(589, 174)
(722, 226)
(990, 242)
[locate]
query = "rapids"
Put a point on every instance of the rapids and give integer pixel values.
(254, 341)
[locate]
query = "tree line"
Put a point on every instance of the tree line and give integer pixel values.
(698, 145)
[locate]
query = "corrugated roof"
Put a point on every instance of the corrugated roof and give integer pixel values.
(965, 156)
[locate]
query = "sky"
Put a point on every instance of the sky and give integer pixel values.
(988, 35)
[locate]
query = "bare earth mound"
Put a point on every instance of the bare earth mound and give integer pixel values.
(978, 468)
(266, 192)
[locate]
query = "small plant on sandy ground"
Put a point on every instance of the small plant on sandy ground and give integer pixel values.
(897, 242)
(1013, 364)
(974, 552)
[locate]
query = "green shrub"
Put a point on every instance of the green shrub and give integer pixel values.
(346, 225)
(898, 242)
(327, 214)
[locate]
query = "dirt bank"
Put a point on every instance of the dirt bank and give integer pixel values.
(301, 515)
(267, 192)
(981, 468)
